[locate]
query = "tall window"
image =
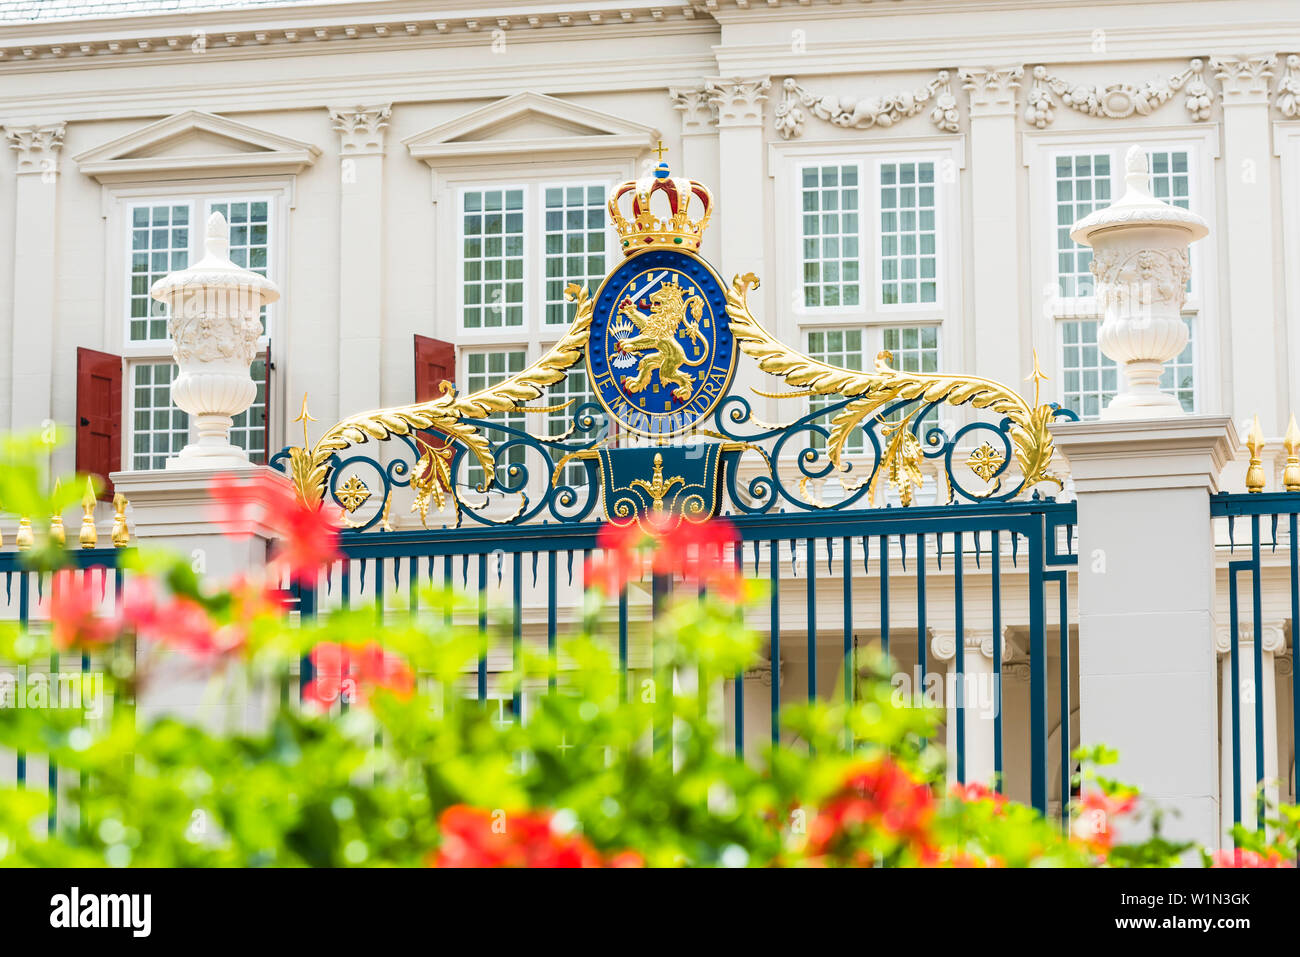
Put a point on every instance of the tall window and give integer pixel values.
(165, 236)
(908, 259)
(521, 245)
(1082, 185)
(1083, 182)
(915, 349)
(158, 428)
(486, 368)
(831, 230)
(575, 243)
(493, 257)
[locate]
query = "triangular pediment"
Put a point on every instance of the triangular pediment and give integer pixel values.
(530, 123)
(194, 143)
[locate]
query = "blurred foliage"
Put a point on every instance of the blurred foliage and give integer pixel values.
(608, 769)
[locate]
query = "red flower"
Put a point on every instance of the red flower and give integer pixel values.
(975, 792)
(878, 797)
(354, 672)
(1237, 857)
(1092, 825)
(475, 837)
(308, 536)
(73, 602)
(693, 550)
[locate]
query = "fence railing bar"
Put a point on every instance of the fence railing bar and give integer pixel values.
(1257, 605)
(959, 660)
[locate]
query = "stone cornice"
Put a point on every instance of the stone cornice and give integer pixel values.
(257, 30)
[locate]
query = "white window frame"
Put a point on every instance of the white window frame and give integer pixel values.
(1040, 150)
(786, 164)
(451, 187)
(119, 202)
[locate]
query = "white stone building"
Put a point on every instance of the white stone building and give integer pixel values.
(902, 174)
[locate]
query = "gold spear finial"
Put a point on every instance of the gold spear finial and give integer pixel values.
(1255, 471)
(1291, 442)
(25, 538)
(304, 417)
(1036, 377)
(121, 535)
(57, 534)
(89, 536)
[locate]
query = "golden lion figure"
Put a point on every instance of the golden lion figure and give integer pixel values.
(658, 339)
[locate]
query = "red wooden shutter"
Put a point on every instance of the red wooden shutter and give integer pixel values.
(99, 415)
(435, 361)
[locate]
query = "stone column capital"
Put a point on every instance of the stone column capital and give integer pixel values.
(1244, 79)
(37, 146)
(992, 90)
(698, 108)
(1273, 634)
(739, 101)
(361, 128)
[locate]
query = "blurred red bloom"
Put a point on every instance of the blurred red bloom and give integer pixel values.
(73, 603)
(1237, 857)
(693, 550)
(878, 797)
(476, 837)
(975, 792)
(1093, 824)
(308, 537)
(353, 672)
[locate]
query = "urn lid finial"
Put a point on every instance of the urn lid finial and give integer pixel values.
(1138, 207)
(216, 271)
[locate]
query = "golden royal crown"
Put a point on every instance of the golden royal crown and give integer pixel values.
(645, 230)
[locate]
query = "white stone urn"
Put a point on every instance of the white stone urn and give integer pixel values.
(214, 308)
(1140, 265)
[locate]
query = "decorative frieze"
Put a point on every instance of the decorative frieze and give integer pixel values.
(1244, 79)
(697, 106)
(1117, 101)
(1288, 89)
(361, 128)
(37, 146)
(739, 102)
(868, 111)
(992, 91)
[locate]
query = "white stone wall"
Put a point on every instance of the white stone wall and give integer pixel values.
(63, 265)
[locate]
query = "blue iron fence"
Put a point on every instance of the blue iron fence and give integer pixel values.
(896, 574)
(1258, 533)
(25, 590)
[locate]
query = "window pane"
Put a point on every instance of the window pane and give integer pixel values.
(250, 235)
(907, 234)
(484, 369)
(249, 429)
(499, 257)
(829, 241)
(575, 225)
(1082, 185)
(842, 348)
(159, 243)
(159, 429)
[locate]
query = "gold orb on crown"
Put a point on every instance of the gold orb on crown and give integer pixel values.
(646, 230)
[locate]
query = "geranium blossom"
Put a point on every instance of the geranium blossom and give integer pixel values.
(1093, 824)
(75, 618)
(1242, 858)
(878, 799)
(308, 537)
(353, 672)
(693, 550)
(476, 837)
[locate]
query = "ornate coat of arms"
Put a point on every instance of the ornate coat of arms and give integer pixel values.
(661, 353)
